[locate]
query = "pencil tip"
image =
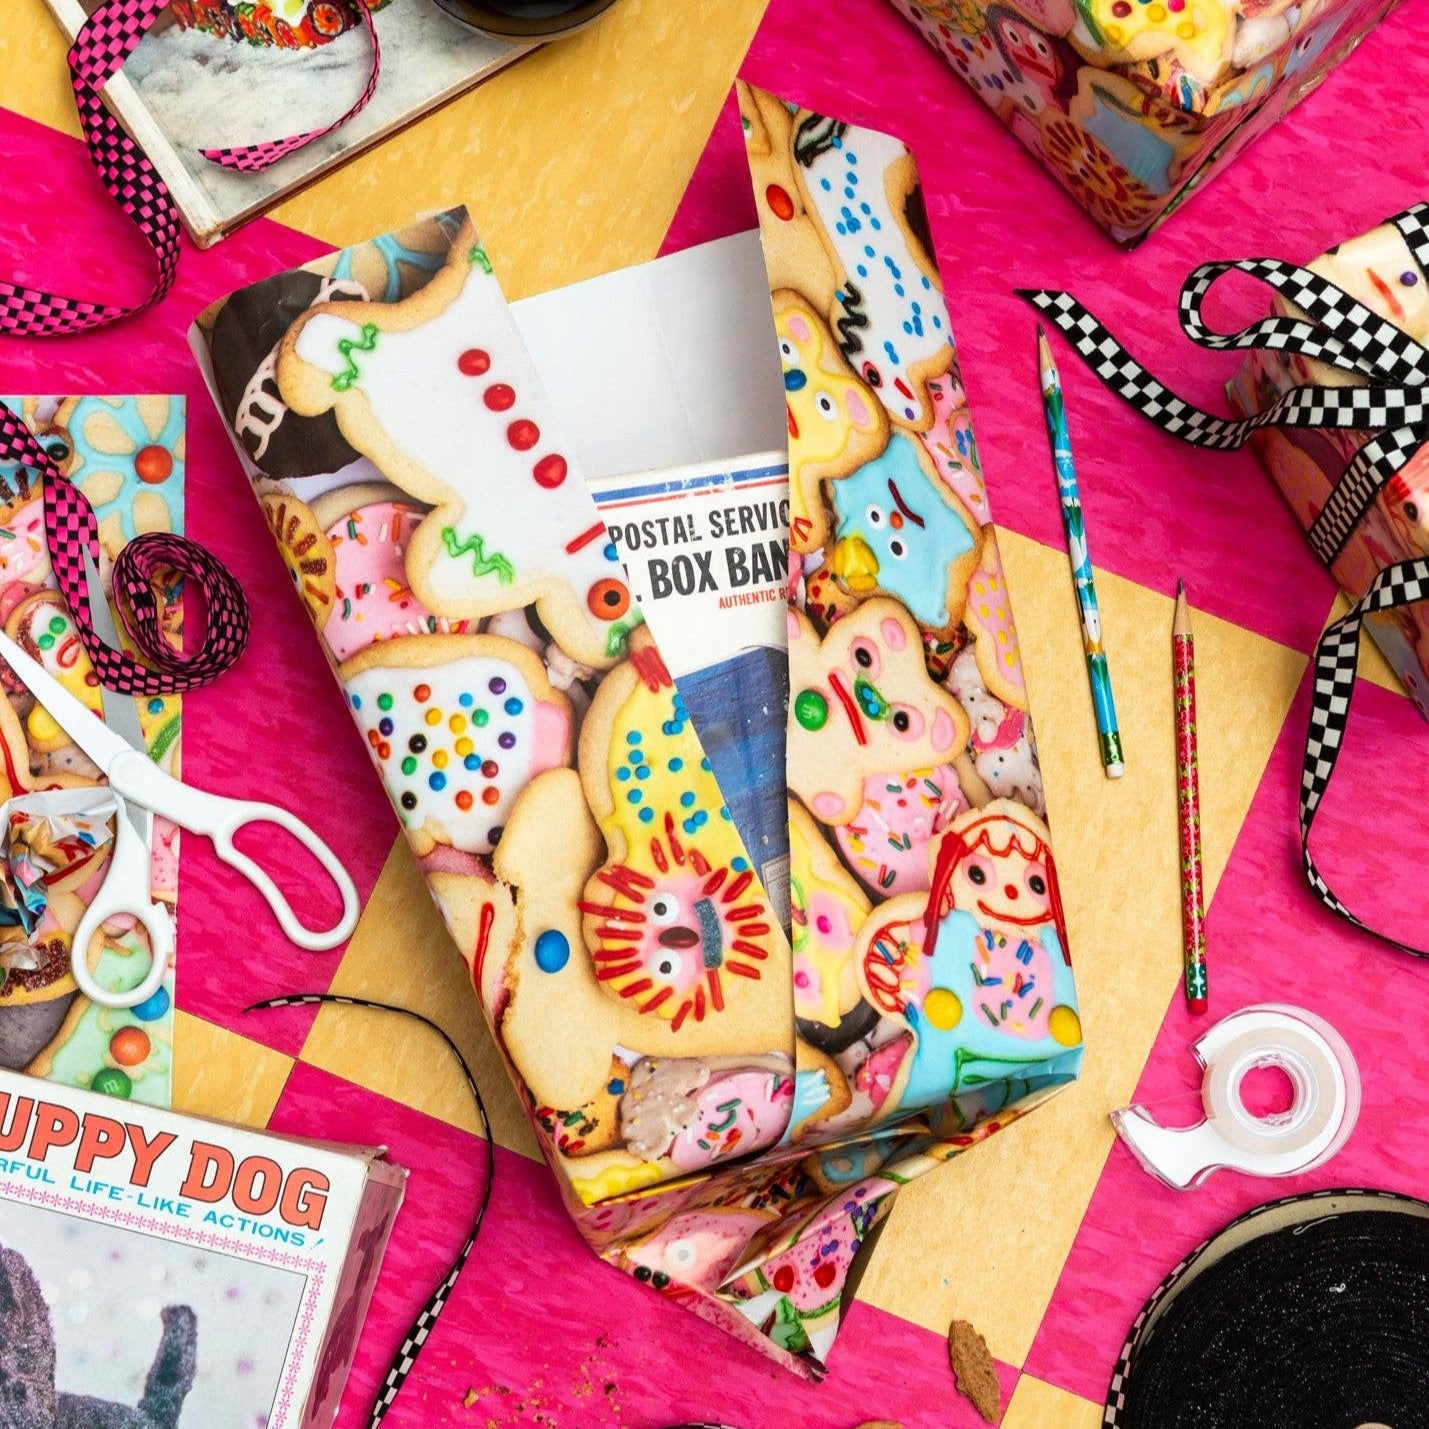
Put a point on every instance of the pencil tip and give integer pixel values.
(1180, 587)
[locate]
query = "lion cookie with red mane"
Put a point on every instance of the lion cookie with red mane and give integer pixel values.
(676, 920)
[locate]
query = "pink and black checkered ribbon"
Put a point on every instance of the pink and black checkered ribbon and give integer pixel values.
(102, 45)
(71, 530)
(1391, 400)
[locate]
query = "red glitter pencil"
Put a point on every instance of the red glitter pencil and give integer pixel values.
(1188, 800)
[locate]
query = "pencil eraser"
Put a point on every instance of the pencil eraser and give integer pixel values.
(1115, 771)
(1198, 1005)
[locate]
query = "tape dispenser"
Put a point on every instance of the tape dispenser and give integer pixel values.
(1323, 1076)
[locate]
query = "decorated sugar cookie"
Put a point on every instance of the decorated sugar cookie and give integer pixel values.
(951, 445)
(457, 725)
(1000, 738)
(1405, 499)
(306, 551)
(590, 1129)
(676, 920)
(827, 908)
(372, 600)
(24, 556)
(978, 968)
(1198, 33)
(825, 599)
(512, 522)
(547, 858)
(902, 533)
(889, 311)
(1088, 170)
(700, 1111)
(696, 1248)
(794, 254)
(834, 423)
(1378, 270)
(989, 618)
(861, 704)
(128, 459)
(888, 844)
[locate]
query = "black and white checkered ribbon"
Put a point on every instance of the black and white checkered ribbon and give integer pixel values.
(405, 1360)
(1340, 331)
(1392, 401)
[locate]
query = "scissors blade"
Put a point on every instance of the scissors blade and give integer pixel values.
(74, 717)
(121, 714)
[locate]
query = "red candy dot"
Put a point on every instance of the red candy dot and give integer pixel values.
(490, 794)
(153, 465)
(423, 692)
(550, 471)
(474, 361)
(490, 769)
(384, 750)
(499, 397)
(463, 799)
(523, 434)
(780, 204)
(784, 1279)
(373, 738)
(1121, 9)
(824, 1275)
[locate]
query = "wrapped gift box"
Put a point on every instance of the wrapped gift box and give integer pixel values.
(1135, 104)
(1380, 271)
(746, 989)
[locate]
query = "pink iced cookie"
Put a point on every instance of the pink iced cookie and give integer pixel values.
(23, 553)
(886, 845)
(734, 1114)
(698, 1248)
(164, 862)
(953, 447)
(374, 601)
(878, 1075)
(1002, 968)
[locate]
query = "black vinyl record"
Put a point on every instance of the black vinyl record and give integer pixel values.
(1307, 1313)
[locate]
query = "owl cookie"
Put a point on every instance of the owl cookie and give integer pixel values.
(511, 523)
(861, 704)
(457, 725)
(834, 423)
(901, 532)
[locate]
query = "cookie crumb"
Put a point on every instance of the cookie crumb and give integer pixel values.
(881, 1424)
(974, 1371)
(468, 1399)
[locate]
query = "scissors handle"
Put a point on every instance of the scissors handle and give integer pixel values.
(136, 777)
(125, 891)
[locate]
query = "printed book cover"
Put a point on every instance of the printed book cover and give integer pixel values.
(198, 1273)
(222, 73)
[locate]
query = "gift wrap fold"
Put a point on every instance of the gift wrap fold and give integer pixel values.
(1132, 105)
(1384, 271)
(729, 1102)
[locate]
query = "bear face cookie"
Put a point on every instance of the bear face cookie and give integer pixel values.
(901, 532)
(834, 423)
(438, 392)
(457, 725)
(861, 704)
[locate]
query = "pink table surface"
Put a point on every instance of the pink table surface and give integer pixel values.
(1353, 154)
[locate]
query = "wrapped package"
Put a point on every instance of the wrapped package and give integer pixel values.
(734, 1047)
(1384, 271)
(1134, 104)
(126, 454)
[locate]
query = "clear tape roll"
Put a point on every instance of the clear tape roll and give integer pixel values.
(1324, 1079)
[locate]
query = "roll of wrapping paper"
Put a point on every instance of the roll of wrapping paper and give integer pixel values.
(1307, 1313)
(1188, 807)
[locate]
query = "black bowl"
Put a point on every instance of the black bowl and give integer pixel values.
(526, 20)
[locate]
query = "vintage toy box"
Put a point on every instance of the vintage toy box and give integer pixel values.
(1135, 104)
(1383, 271)
(168, 1270)
(720, 767)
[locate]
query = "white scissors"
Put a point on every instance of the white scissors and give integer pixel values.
(140, 790)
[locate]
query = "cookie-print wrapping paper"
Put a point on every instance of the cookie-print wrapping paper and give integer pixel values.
(729, 1105)
(126, 455)
(1133, 105)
